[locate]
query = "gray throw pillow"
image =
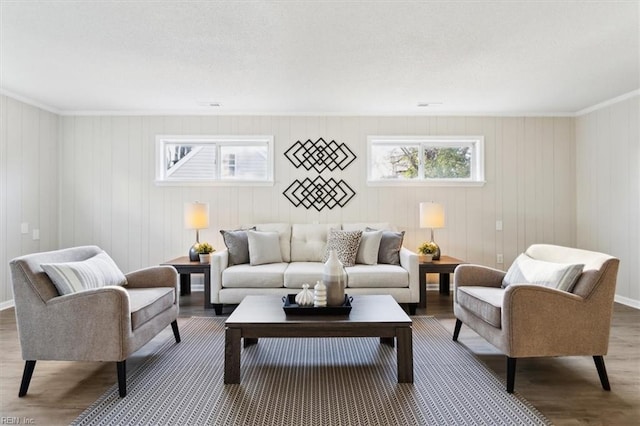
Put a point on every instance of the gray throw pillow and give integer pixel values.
(345, 244)
(237, 243)
(527, 270)
(264, 247)
(95, 272)
(390, 245)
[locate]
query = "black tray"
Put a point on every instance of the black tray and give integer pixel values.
(291, 307)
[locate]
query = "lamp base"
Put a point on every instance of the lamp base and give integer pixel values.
(436, 254)
(194, 256)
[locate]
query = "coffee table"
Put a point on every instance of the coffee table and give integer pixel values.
(371, 316)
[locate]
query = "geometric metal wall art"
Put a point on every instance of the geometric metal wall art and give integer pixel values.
(319, 193)
(320, 155)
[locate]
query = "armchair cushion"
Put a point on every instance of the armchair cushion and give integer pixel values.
(146, 303)
(97, 271)
(484, 302)
(526, 270)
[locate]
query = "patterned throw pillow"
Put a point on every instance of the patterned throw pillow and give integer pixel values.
(95, 272)
(345, 243)
(527, 270)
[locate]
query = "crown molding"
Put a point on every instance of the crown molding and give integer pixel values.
(607, 103)
(30, 101)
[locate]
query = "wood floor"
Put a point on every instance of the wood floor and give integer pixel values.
(566, 390)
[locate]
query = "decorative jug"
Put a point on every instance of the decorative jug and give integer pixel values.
(334, 278)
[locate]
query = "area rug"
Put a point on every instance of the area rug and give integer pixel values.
(321, 381)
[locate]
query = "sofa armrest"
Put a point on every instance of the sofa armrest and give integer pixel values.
(154, 276)
(90, 325)
(544, 321)
(219, 262)
(409, 261)
(477, 275)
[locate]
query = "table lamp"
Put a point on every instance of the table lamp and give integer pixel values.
(196, 216)
(432, 216)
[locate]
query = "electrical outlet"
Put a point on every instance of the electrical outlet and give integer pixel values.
(498, 225)
(499, 258)
(24, 227)
(36, 234)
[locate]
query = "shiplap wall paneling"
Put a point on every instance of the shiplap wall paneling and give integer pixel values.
(143, 224)
(608, 189)
(29, 167)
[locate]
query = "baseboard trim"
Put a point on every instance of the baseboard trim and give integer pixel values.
(6, 305)
(627, 301)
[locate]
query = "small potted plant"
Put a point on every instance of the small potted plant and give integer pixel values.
(427, 250)
(204, 250)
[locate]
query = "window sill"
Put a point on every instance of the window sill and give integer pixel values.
(441, 183)
(213, 183)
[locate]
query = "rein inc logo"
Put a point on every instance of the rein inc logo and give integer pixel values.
(4, 420)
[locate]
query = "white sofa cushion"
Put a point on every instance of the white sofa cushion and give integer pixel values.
(264, 247)
(377, 276)
(284, 234)
(369, 246)
(309, 241)
(299, 273)
(262, 276)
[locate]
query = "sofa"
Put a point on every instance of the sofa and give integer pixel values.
(250, 265)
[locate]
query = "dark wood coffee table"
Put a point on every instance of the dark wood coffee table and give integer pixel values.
(371, 316)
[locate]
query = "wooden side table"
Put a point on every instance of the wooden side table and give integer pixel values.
(445, 266)
(185, 268)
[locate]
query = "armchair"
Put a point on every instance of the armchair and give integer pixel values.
(533, 320)
(105, 323)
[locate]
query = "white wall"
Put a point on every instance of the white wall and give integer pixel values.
(108, 196)
(28, 183)
(608, 189)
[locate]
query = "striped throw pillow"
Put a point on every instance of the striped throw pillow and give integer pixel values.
(97, 271)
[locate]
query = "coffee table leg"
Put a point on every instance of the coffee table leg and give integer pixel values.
(405, 354)
(232, 355)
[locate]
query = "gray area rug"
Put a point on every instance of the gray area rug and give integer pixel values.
(322, 381)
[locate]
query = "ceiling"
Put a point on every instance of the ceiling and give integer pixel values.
(319, 57)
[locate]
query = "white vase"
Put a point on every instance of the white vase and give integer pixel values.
(334, 278)
(319, 295)
(205, 258)
(305, 297)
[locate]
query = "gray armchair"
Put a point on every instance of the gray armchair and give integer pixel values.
(531, 320)
(107, 323)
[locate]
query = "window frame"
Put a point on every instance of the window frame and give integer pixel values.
(477, 159)
(219, 141)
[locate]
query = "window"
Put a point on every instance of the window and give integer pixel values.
(426, 160)
(214, 160)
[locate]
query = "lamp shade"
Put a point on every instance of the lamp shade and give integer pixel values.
(431, 215)
(196, 215)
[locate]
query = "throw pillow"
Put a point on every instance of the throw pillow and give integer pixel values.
(97, 271)
(527, 270)
(390, 245)
(369, 247)
(345, 243)
(237, 245)
(264, 247)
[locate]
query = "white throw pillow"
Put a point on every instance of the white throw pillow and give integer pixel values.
(369, 246)
(527, 270)
(264, 247)
(95, 272)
